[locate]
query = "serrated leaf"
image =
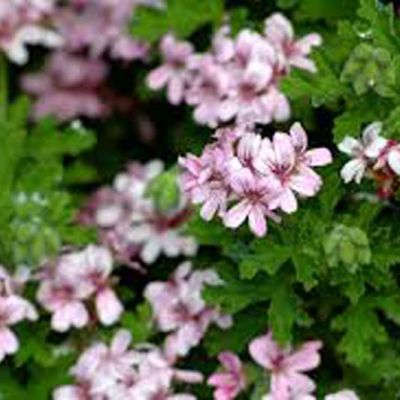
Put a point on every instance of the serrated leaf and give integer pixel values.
(235, 295)
(265, 256)
(362, 331)
(382, 23)
(322, 87)
(46, 141)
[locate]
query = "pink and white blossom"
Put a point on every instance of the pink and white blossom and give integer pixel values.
(290, 52)
(74, 280)
(231, 381)
(174, 72)
(245, 176)
(286, 366)
(131, 225)
(68, 87)
(342, 395)
(13, 309)
(238, 78)
(363, 152)
(180, 310)
(120, 371)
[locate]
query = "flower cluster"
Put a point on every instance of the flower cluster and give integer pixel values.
(69, 86)
(117, 372)
(73, 82)
(26, 22)
(76, 278)
(286, 367)
(100, 26)
(13, 309)
(131, 225)
(238, 79)
(373, 156)
(180, 310)
(244, 176)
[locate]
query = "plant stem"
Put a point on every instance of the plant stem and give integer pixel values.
(3, 87)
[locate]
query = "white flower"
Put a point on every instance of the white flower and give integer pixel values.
(362, 151)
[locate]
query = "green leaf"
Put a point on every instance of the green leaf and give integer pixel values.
(183, 17)
(316, 9)
(264, 256)
(46, 141)
(322, 87)
(381, 19)
(390, 305)
(248, 324)
(11, 143)
(362, 331)
(139, 323)
(282, 311)
(366, 110)
(235, 295)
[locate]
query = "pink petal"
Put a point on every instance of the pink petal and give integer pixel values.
(230, 361)
(319, 157)
(280, 387)
(8, 341)
(108, 307)
(264, 350)
(305, 184)
(305, 358)
(237, 214)
(176, 89)
(300, 383)
(220, 379)
(284, 150)
(257, 221)
(159, 77)
(299, 137)
(288, 201)
(121, 341)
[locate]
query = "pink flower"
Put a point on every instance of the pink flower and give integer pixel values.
(118, 372)
(286, 158)
(75, 279)
(11, 313)
(103, 365)
(208, 86)
(230, 382)
(255, 196)
(291, 52)
(69, 87)
(100, 27)
(174, 73)
(204, 182)
(179, 308)
(13, 309)
(131, 225)
(97, 265)
(64, 300)
(243, 176)
(286, 366)
(238, 78)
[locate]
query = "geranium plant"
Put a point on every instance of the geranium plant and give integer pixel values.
(199, 200)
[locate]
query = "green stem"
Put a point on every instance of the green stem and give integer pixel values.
(3, 87)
